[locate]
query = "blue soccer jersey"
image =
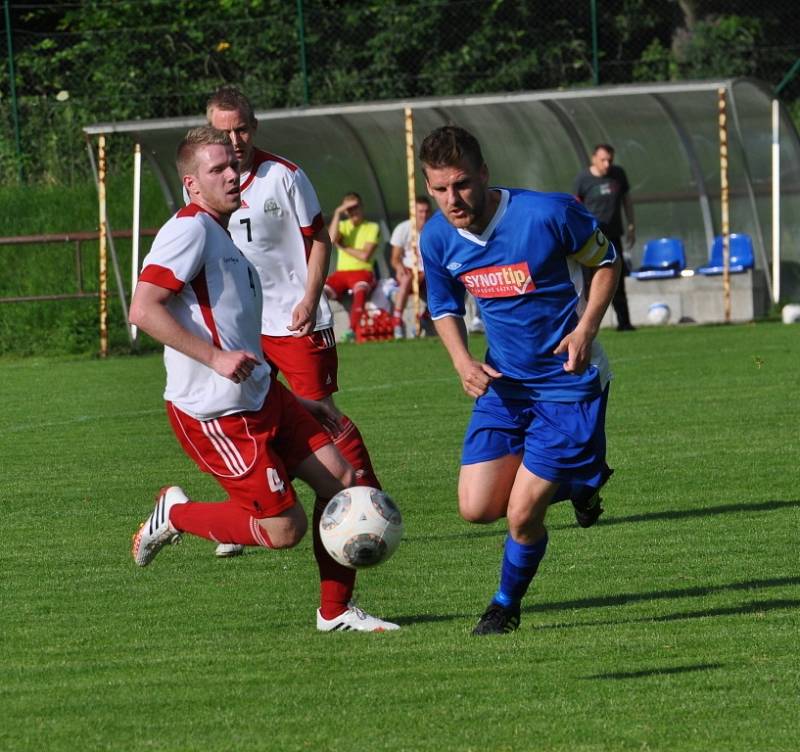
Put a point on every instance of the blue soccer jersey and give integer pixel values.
(518, 270)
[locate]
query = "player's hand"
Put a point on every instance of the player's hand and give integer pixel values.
(328, 417)
(476, 377)
(304, 317)
(578, 347)
(236, 365)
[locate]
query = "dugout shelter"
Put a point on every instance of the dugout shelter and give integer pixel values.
(666, 136)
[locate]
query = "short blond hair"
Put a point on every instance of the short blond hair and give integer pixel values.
(204, 135)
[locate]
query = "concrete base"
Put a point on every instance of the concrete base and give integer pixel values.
(691, 300)
(697, 299)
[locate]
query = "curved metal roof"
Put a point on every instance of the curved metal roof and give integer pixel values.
(665, 135)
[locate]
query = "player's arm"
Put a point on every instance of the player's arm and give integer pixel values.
(362, 254)
(304, 315)
(475, 376)
(333, 227)
(587, 245)
(396, 260)
(577, 188)
(578, 343)
(150, 313)
(630, 234)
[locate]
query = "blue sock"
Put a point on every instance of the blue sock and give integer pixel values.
(520, 562)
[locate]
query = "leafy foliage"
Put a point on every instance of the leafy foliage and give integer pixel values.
(95, 61)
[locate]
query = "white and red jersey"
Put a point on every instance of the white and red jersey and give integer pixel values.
(280, 213)
(217, 298)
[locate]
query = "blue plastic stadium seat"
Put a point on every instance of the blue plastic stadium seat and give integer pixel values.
(741, 255)
(662, 258)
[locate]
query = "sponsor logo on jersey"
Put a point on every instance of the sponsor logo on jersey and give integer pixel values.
(504, 281)
(272, 208)
(453, 265)
(245, 205)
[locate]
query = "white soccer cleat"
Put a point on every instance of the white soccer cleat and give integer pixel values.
(156, 531)
(354, 620)
(226, 550)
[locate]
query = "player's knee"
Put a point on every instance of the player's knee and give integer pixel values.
(477, 511)
(519, 520)
(288, 533)
(347, 476)
(527, 521)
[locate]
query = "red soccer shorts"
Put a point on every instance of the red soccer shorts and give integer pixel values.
(252, 454)
(342, 282)
(310, 364)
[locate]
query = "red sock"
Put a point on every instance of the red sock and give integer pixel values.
(336, 583)
(223, 522)
(351, 446)
(357, 307)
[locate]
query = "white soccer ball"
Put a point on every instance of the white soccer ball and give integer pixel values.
(790, 314)
(361, 527)
(658, 314)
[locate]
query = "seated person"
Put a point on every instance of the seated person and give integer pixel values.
(356, 240)
(403, 259)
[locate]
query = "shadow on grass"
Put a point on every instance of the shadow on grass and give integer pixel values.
(754, 607)
(680, 514)
(472, 532)
(500, 530)
(430, 618)
(694, 592)
(657, 671)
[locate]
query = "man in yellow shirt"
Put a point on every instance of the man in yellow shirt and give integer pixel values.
(357, 240)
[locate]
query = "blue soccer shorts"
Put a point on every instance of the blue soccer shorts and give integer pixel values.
(558, 441)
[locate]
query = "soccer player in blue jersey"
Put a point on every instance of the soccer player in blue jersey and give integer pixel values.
(537, 432)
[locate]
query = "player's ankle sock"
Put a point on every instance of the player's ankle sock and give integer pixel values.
(520, 562)
(336, 582)
(351, 446)
(223, 522)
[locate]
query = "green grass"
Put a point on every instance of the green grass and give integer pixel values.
(671, 625)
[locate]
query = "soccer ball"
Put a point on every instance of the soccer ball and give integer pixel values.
(361, 527)
(658, 314)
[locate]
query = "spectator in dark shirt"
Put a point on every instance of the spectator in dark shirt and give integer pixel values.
(604, 189)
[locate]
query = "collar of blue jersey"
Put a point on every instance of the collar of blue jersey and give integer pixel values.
(483, 238)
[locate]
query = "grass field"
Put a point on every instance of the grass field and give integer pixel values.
(671, 625)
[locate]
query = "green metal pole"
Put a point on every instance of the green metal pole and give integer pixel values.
(14, 107)
(595, 60)
(301, 31)
(788, 77)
